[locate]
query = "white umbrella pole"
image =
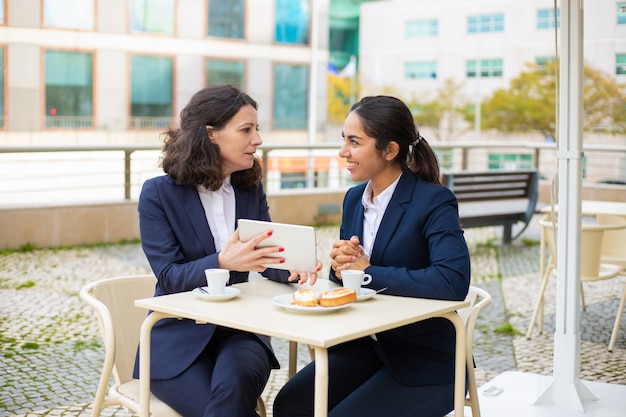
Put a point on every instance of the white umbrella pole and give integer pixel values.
(566, 390)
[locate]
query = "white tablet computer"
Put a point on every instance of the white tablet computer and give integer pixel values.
(300, 252)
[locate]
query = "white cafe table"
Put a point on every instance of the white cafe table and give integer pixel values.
(254, 311)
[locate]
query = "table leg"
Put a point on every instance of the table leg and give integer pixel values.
(144, 362)
(460, 362)
(321, 382)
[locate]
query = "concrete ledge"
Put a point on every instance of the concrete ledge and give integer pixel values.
(110, 222)
(68, 225)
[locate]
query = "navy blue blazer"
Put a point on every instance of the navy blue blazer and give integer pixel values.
(178, 243)
(419, 251)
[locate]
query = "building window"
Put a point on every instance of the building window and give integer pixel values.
(420, 70)
(151, 92)
(1, 87)
(543, 62)
(621, 13)
(485, 23)
(69, 14)
(2, 7)
(292, 21)
(226, 18)
(290, 96)
(545, 18)
(489, 68)
(69, 89)
(427, 28)
(219, 72)
(152, 16)
(510, 161)
(620, 64)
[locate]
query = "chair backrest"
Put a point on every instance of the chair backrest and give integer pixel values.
(479, 299)
(613, 246)
(591, 247)
(120, 321)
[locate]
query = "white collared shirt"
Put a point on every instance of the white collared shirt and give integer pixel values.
(373, 213)
(219, 209)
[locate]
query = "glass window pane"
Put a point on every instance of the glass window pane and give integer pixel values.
(2, 12)
(292, 21)
(621, 13)
(421, 70)
(69, 89)
(69, 14)
(470, 68)
(152, 16)
(226, 18)
(151, 91)
(422, 28)
(620, 64)
(290, 96)
(545, 18)
(230, 72)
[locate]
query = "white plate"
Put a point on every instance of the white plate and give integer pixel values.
(229, 292)
(284, 301)
(366, 294)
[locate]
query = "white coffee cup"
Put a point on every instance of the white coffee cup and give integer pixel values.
(216, 279)
(353, 279)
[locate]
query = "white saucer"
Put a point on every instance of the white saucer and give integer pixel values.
(284, 301)
(366, 294)
(229, 292)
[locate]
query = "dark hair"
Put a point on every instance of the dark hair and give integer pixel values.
(388, 119)
(189, 157)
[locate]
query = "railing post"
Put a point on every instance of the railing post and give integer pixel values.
(537, 154)
(464, 159)
(264, 159)
(127, 153)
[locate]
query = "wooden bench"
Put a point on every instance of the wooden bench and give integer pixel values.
(494, 198)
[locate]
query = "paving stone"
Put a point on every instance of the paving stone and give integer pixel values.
(51, 352)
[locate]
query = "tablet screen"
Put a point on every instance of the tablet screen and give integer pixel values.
(300, 252)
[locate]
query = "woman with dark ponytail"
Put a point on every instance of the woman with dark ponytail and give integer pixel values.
(402, 227)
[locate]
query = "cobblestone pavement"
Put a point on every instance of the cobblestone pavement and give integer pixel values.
(51, 351)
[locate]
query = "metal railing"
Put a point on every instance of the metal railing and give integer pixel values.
(35, 176)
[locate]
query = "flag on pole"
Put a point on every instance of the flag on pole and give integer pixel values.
(349, 70)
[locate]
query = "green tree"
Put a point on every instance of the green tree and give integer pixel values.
(529, 104)
(442, 114)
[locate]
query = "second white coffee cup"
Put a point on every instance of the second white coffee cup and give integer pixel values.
(353, 279)
(216, 279)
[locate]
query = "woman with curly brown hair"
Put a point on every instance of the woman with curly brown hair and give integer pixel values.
(188, 219)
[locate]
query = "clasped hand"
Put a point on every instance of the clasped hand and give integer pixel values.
(348, 254)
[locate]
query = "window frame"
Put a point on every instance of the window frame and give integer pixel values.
(421, 28)
(423, 70)
(547, 22)
(65, 121)
(217, 34)
(151, 122)
(279, 6)
(288, 101)
(485, 23)
(171, 13)
(74, 13)
(243, 63)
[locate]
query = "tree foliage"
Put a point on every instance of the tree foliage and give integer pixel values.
(529, 104)
(441, 114)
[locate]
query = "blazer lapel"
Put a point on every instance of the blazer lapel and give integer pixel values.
(190, 200)
(393, 216)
